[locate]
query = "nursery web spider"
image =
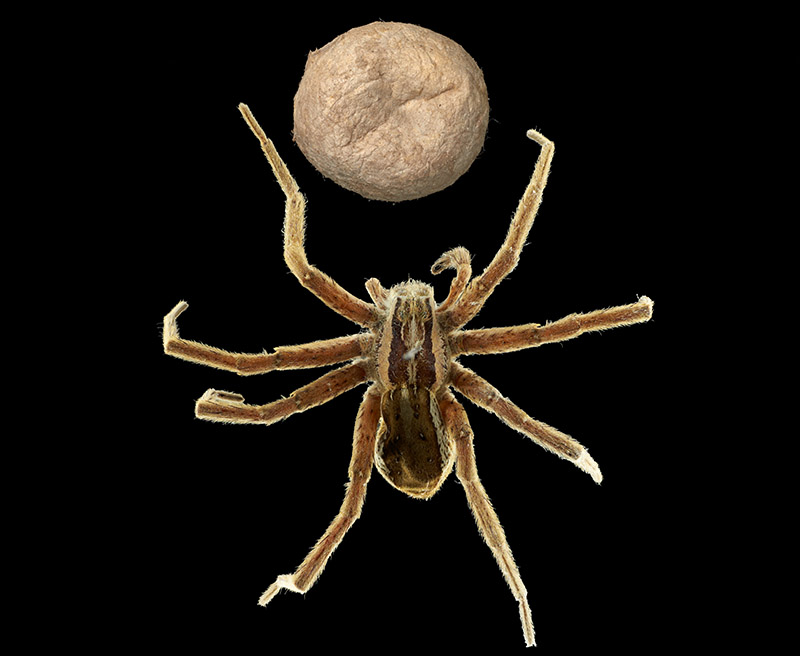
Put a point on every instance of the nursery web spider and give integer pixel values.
(409, 424)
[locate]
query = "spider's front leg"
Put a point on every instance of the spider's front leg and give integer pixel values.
(360, 471)
(458, 427)
(475, 295)
(321, 285)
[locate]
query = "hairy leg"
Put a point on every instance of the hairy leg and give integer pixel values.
(506, 259)
(514, 338)
(320, 284)
(216, 405)
(458, 259)
(360, 471)
(458, 427)
(482, 393)
(377, 292)
(301, 356)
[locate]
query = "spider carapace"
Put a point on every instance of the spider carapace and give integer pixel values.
(409, 426)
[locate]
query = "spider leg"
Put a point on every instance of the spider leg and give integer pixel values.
(475, 295)
(458, 259)
(217, 405)
(457, 424)
(366, 429)
(514, 338)
(321, 285)
(377, 292)
(482, 393)
(313, 354)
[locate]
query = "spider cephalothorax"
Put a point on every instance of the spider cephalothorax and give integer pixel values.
(412, 362)
(409, 425)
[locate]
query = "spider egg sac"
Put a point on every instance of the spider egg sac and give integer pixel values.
(391, 111)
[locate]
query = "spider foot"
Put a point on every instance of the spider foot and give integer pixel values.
(177, 310)
(458, 259)
(283, 581)
(587, 464)
(538, 137)
(170, 324)
(219, 396)
(527, 623)
(217, 405)
(452, 259)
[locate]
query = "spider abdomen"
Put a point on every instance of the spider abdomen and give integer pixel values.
(412, 450)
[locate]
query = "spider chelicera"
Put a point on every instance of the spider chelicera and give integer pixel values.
(409, 425)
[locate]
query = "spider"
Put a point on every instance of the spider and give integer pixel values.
(409, 425)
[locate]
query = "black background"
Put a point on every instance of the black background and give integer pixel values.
(210, 514)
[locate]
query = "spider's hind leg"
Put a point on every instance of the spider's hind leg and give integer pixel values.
(360, 470)
(457, 423)
(482, 393)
